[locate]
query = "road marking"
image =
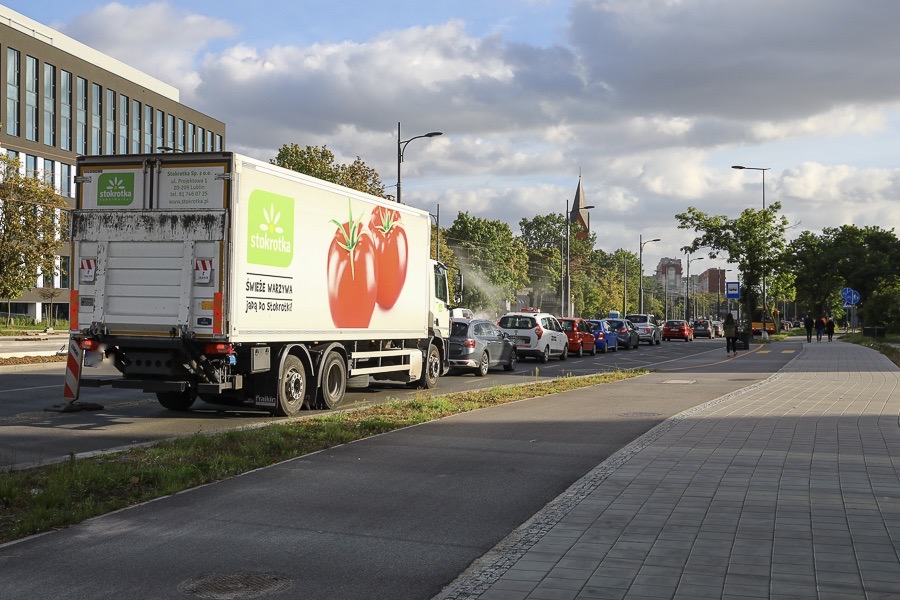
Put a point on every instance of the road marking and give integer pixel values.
(764, 351)
(788, 351)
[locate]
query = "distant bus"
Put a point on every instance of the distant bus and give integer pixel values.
(614, 314)
(772, 317)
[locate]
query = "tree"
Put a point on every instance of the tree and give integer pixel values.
(492, 260)
(755, 241)
(320, 163)
(31, 230)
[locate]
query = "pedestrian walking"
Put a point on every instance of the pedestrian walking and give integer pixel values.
(820, 327)
(808, 324)
(729, 328)
(829, 328)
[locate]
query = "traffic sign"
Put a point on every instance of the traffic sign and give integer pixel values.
(732, 289)
(850, 296)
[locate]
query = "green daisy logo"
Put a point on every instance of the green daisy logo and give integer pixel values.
(270, 229)
(115, 189)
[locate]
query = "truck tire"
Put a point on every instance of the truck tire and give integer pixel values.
(291, 387)
(484, 365)
(334, 380)
(180, 401)
(431, 370)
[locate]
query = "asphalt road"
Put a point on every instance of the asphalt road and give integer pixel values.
(30, 435)
(395, 516)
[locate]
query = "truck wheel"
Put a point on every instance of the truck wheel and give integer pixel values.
(484, 365)
(180, 401)
(291, 387)
(334, 380)
(431, 370)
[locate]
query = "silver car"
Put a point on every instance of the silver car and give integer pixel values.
(648, 330)
(476, 345)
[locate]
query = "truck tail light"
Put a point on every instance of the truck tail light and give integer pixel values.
(469, 343)
(219, 348)
(90, 345)
(538, 331)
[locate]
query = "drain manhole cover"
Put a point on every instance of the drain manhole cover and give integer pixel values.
(640, 414)
(235, 586)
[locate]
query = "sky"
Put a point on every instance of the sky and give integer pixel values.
(650, 102)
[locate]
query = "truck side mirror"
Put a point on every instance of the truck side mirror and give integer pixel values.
(459, 282)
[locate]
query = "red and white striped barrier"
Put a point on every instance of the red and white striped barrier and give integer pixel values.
(73, 371)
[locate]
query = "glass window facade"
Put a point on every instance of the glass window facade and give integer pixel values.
(96, 119)
(65, 110)
(110, 124)
(81, 122)
(170, 131)
(160, 132)
(191, 132)
(135, 127)
(49, 105)
(180, 134)
(65, 180)
(31, 98)
(49, 172)
(123, 123)
(64, 266)
(13, 90)
(148, 128)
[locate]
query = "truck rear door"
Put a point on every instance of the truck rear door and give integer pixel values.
(149, 244)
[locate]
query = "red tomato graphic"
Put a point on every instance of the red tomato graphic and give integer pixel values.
(351, 276)
(391, 254)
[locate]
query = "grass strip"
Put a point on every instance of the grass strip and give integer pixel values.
(886, 345)
(53, 496)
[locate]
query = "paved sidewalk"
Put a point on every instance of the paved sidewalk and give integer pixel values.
(786, 489)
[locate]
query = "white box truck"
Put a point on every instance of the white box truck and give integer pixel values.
(221, 277)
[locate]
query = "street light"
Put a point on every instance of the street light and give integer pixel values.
(687, 288)
(401, 148)
(568, 283)
(765, 308)
(641, 273)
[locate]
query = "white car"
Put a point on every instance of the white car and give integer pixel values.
(536, 334)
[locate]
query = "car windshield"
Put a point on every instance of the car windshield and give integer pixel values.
(516, 322)
(568, 325)
(637, 318)
(674, 323)
(616, 324)
(701, 325)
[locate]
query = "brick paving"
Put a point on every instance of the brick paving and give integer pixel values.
(787, 489)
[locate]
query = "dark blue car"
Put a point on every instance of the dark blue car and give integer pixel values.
(605, 338)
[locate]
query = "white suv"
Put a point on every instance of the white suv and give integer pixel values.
(536, 334)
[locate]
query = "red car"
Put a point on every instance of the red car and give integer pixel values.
(677, 330)
(581, 336)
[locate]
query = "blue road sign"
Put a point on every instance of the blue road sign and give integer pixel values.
(732, 289)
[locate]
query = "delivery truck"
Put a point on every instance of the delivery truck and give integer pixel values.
(224, 278)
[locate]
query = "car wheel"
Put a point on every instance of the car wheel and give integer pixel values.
(605, 348)
(637, 345)
(484, 365)
(565, 353)
(580, 353)
(513, 361)
(593, 351)
(545, 355)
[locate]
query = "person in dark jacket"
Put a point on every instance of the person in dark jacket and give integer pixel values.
(820, 327)
(729, 328)
(829, 328)
(808, 324)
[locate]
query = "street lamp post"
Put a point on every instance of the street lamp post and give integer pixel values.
(641, 273)
(764, 306)
(566, 312)
(687, 289)
(401, 148)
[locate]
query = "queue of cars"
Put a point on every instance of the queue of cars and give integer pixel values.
(477, 345)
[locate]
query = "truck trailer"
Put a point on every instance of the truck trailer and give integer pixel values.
(225, 278)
